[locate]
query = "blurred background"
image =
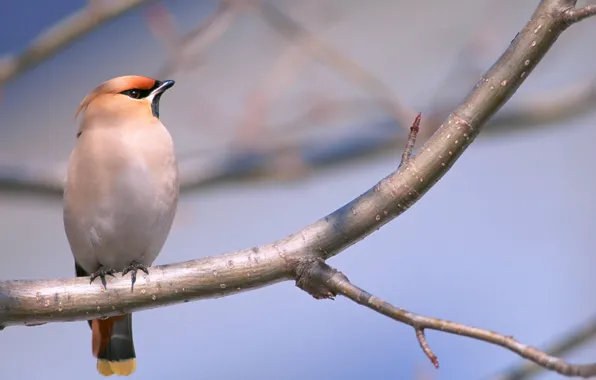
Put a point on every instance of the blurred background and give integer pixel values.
(282, 112)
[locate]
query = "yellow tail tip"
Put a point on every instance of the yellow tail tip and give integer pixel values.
(103, 367)
(120, 368)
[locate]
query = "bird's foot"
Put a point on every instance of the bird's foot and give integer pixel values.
(102, 273)
(133, 268)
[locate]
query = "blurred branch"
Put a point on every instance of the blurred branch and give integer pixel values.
(301, 256)
(283, 72)
(328, 54)
(465, 68)
(62, 34)
(574, 339)
(242, 160)
(185, 52)
(551, 107)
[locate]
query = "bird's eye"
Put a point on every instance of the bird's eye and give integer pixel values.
(134, 93)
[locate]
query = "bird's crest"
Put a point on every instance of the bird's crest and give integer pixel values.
(116, 86)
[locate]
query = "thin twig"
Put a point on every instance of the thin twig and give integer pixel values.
(563, 345)
(426, 347)
(336, 282)
(407, 153)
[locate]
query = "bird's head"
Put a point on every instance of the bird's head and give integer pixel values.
(124, 97)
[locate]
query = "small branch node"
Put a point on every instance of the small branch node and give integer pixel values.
(573, 15)
(414, 129)
(312, 275)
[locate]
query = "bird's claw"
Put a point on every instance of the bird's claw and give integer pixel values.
(133, 268)
(102, 273)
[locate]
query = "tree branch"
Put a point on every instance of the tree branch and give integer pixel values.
(573, 15)
(301, 255)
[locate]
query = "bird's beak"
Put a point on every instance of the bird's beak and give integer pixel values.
(162, 87)
(156, 95)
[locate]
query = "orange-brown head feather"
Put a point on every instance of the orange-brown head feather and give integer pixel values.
(116, 86)
(122, 102)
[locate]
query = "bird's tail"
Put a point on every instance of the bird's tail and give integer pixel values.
(113, 345)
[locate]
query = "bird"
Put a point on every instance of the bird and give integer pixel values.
(120, 198)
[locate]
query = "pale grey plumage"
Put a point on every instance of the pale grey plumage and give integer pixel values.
(121, 197)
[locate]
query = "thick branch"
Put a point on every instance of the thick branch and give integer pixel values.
(34, 302)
